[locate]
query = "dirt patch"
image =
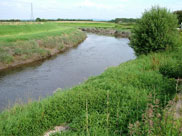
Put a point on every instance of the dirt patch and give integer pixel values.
(57, 129)
(177, 106)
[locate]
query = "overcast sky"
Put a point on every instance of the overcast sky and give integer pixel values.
(81, 9)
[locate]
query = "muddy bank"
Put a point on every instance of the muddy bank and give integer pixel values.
(50, 46)
(112, 32)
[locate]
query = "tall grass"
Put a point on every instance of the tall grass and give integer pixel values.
(160, 122)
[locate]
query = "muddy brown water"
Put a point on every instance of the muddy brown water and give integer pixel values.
(66, 70)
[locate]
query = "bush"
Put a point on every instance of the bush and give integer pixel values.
(155, 31)
(179, 15)
(171, 70)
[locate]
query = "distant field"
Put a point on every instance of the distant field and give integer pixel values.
(11, 32)
(87, 24)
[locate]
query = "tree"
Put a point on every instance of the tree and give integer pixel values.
(155, 31)
(38, 20)
(179, 16)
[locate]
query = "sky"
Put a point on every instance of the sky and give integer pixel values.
(81, 9)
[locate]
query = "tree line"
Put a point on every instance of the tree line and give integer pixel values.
(134, 20)
(124, 20)
(10, 20)
(60, 19)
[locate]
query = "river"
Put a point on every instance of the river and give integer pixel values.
(65, 70)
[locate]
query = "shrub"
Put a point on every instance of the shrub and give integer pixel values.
(179, 15)
(155, 31)
(158, 122)
(171, 70)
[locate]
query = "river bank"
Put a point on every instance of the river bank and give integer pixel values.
(103, 105)
(107, 31)
(24, 52)
(24, 43)
(64, 70)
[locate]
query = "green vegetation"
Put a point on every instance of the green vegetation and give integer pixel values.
(13, 33)
(155, 31)
(179, 16)
(172, 69)
(160, 122)
(39, 48)
(24, 31)
(23, 41)
(113, 103)
(11, 20)
(16, 47)
(59, 19)
(106, 25)
(124, 20)
(103, 105)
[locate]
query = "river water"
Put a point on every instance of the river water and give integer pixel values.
(65, 70)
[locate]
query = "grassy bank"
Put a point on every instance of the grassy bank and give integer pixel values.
(103, 105)
(22, 44)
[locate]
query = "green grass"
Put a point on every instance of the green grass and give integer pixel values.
(12, 32)
(29, 32)
(118, 27)
(103, 105)
(22, 42)
(38, 47)
(26, 28)
(86, 24)
(19, 42)
(160, 122)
